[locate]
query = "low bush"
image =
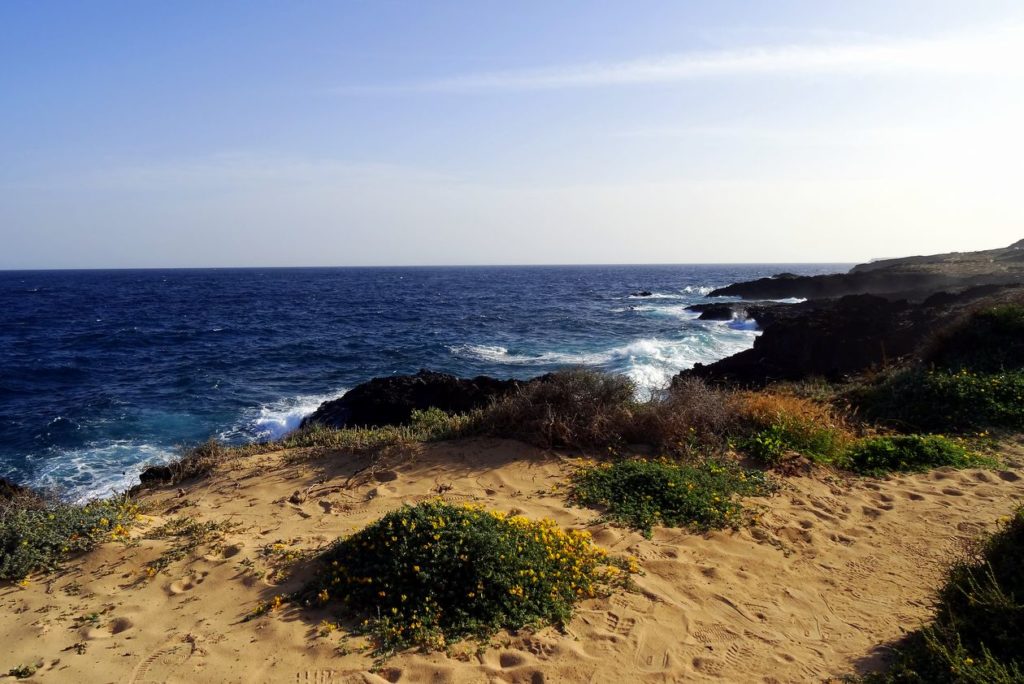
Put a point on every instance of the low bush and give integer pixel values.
(946, 401)
(431, 574)
(576, 408)
(907, 453)
(691, 418)
(774, 424)
(989, 341)
(641, 493)
(977, 635)
(35, 536)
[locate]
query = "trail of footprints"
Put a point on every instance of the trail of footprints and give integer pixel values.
(619, 625)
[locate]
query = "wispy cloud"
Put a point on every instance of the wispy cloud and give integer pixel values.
(996, 50)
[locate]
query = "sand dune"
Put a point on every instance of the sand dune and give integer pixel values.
(835, 569)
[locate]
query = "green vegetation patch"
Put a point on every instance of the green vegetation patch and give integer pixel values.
(641, 493)
(909, 453)
(431, 574)
(947, 400)
(988, 341)
(35, 536)
(977, 635)
(777, 424)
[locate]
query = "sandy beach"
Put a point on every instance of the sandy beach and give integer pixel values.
(834, 569)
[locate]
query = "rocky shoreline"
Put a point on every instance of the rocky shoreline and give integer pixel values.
(875, 315)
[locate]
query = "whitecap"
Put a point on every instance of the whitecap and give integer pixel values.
(277, 418)
(100, 469)
(649, 362)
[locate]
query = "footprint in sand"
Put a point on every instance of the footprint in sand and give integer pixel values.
(318, 677)
(952, 491)
(113, 628)
(510, 659)
(1007, 475)
(391, 674)
(160, 664)
(796, 535)
(842, 539)
(224, 553)
(707, 633)
(871, 513)
(186, 584)
(457, 498)
(541, 649)
(708, 666)
(619, 625)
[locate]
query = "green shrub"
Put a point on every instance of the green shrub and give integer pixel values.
(434, 424)
(946, 401)
(906, 453)
(773, 424)
(641, 493)
(36, 536)
(990, 341)
(434, 573)
(977, 635)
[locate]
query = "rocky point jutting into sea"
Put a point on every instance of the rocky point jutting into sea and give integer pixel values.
(875, 314)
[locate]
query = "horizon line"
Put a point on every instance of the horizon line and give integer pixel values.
(413, 266)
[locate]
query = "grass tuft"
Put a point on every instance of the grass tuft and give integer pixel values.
(641, 493)
(910, 453)
(776, 424)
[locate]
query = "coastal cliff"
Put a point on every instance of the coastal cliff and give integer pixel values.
(875, 315)
(912, 278)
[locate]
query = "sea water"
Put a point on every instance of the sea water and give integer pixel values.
(102, 372)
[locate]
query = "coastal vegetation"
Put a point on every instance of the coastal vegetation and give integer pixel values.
(776, 424)
(970, 376)
(908, 453)
(431, 574)
(642, 493)
(976, 636)
(945, 400)
(37, 534)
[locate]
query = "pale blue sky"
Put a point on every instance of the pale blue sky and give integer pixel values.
(363, 133)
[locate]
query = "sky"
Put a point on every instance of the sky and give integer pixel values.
(215, 133)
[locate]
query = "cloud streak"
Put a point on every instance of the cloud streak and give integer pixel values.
(990, 51)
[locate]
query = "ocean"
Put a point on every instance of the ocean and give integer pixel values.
(102, 372)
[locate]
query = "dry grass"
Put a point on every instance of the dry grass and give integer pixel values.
(689, 419)
(774, 423)
(577, 408)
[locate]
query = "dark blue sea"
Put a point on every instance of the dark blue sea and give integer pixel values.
(104, 371)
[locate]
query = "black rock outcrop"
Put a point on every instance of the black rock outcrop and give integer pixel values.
(913, 278)
(391, 400)
(841, 337)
